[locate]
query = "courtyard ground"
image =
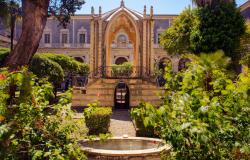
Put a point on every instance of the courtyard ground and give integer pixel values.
(121, 124)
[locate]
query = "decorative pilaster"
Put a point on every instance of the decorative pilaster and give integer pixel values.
(148, 46)
(144, 49)
(92, 32)
(100, 38)
(152, 55)
(73, 35)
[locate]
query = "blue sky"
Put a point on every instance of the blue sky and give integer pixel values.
(160, 6)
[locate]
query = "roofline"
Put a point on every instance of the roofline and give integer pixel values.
(165, 15)
(245, 5)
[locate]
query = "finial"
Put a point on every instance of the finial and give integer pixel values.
(92, 10)
(151, 11)
(145, 11)
(100, 10)
(122, 3)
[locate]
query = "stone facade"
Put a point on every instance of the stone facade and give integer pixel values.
(103, 39)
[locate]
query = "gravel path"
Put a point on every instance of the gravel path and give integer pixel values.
(121, 124)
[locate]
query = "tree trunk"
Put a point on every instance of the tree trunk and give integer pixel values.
(34, 20)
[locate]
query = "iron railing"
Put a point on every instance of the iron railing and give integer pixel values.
(114, 72)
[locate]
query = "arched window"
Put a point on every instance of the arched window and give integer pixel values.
(79, 59)
(120, 60)
(122, 40)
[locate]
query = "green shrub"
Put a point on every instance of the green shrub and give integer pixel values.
(67, 63)
(66, 97)
(45, 68)
(4, 52)
(27, 130)
(97, 119)
(206, 113)
(52, 66)
(125, 69)
(140, 115)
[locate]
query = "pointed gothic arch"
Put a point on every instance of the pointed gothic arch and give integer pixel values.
(130, 26)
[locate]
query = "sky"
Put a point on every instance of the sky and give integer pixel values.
(160, 6)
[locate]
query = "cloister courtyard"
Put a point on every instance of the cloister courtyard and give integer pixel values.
(120, 83)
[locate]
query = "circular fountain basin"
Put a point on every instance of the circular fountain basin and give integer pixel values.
(131, 148)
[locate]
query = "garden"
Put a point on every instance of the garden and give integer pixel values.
(204, 113)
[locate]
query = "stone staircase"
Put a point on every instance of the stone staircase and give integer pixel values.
(103, 90)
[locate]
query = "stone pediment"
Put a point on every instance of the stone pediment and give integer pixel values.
(134, 14)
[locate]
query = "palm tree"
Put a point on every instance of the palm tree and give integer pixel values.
(212, 62)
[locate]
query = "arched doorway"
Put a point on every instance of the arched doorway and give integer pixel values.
(120, 60)
(121, 96)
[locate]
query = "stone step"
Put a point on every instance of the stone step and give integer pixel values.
(103, 98)
(111, 97)
(111, 103)
(81, 103)
(149, 92)
(105, 92)
(100, 86)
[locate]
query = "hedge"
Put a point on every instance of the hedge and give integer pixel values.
(51, 66)
(67, 63)
(97, 119)
(44, 67)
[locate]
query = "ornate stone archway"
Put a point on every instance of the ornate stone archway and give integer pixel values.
(122, 22)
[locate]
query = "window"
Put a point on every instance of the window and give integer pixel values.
(47, 38)
(159, 38)
(64, 38)
(82, 38)
(122, 41)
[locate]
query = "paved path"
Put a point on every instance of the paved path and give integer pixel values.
(121, 124)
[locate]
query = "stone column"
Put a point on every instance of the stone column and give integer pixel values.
(91, 54)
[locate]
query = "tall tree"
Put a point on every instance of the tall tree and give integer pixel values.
(212, 25)
(34, 19)
(176, 39)
(203, 3)
(220, 27)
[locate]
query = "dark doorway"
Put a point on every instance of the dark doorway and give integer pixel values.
(121, 96)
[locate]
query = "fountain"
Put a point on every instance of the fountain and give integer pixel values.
(129, 148)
